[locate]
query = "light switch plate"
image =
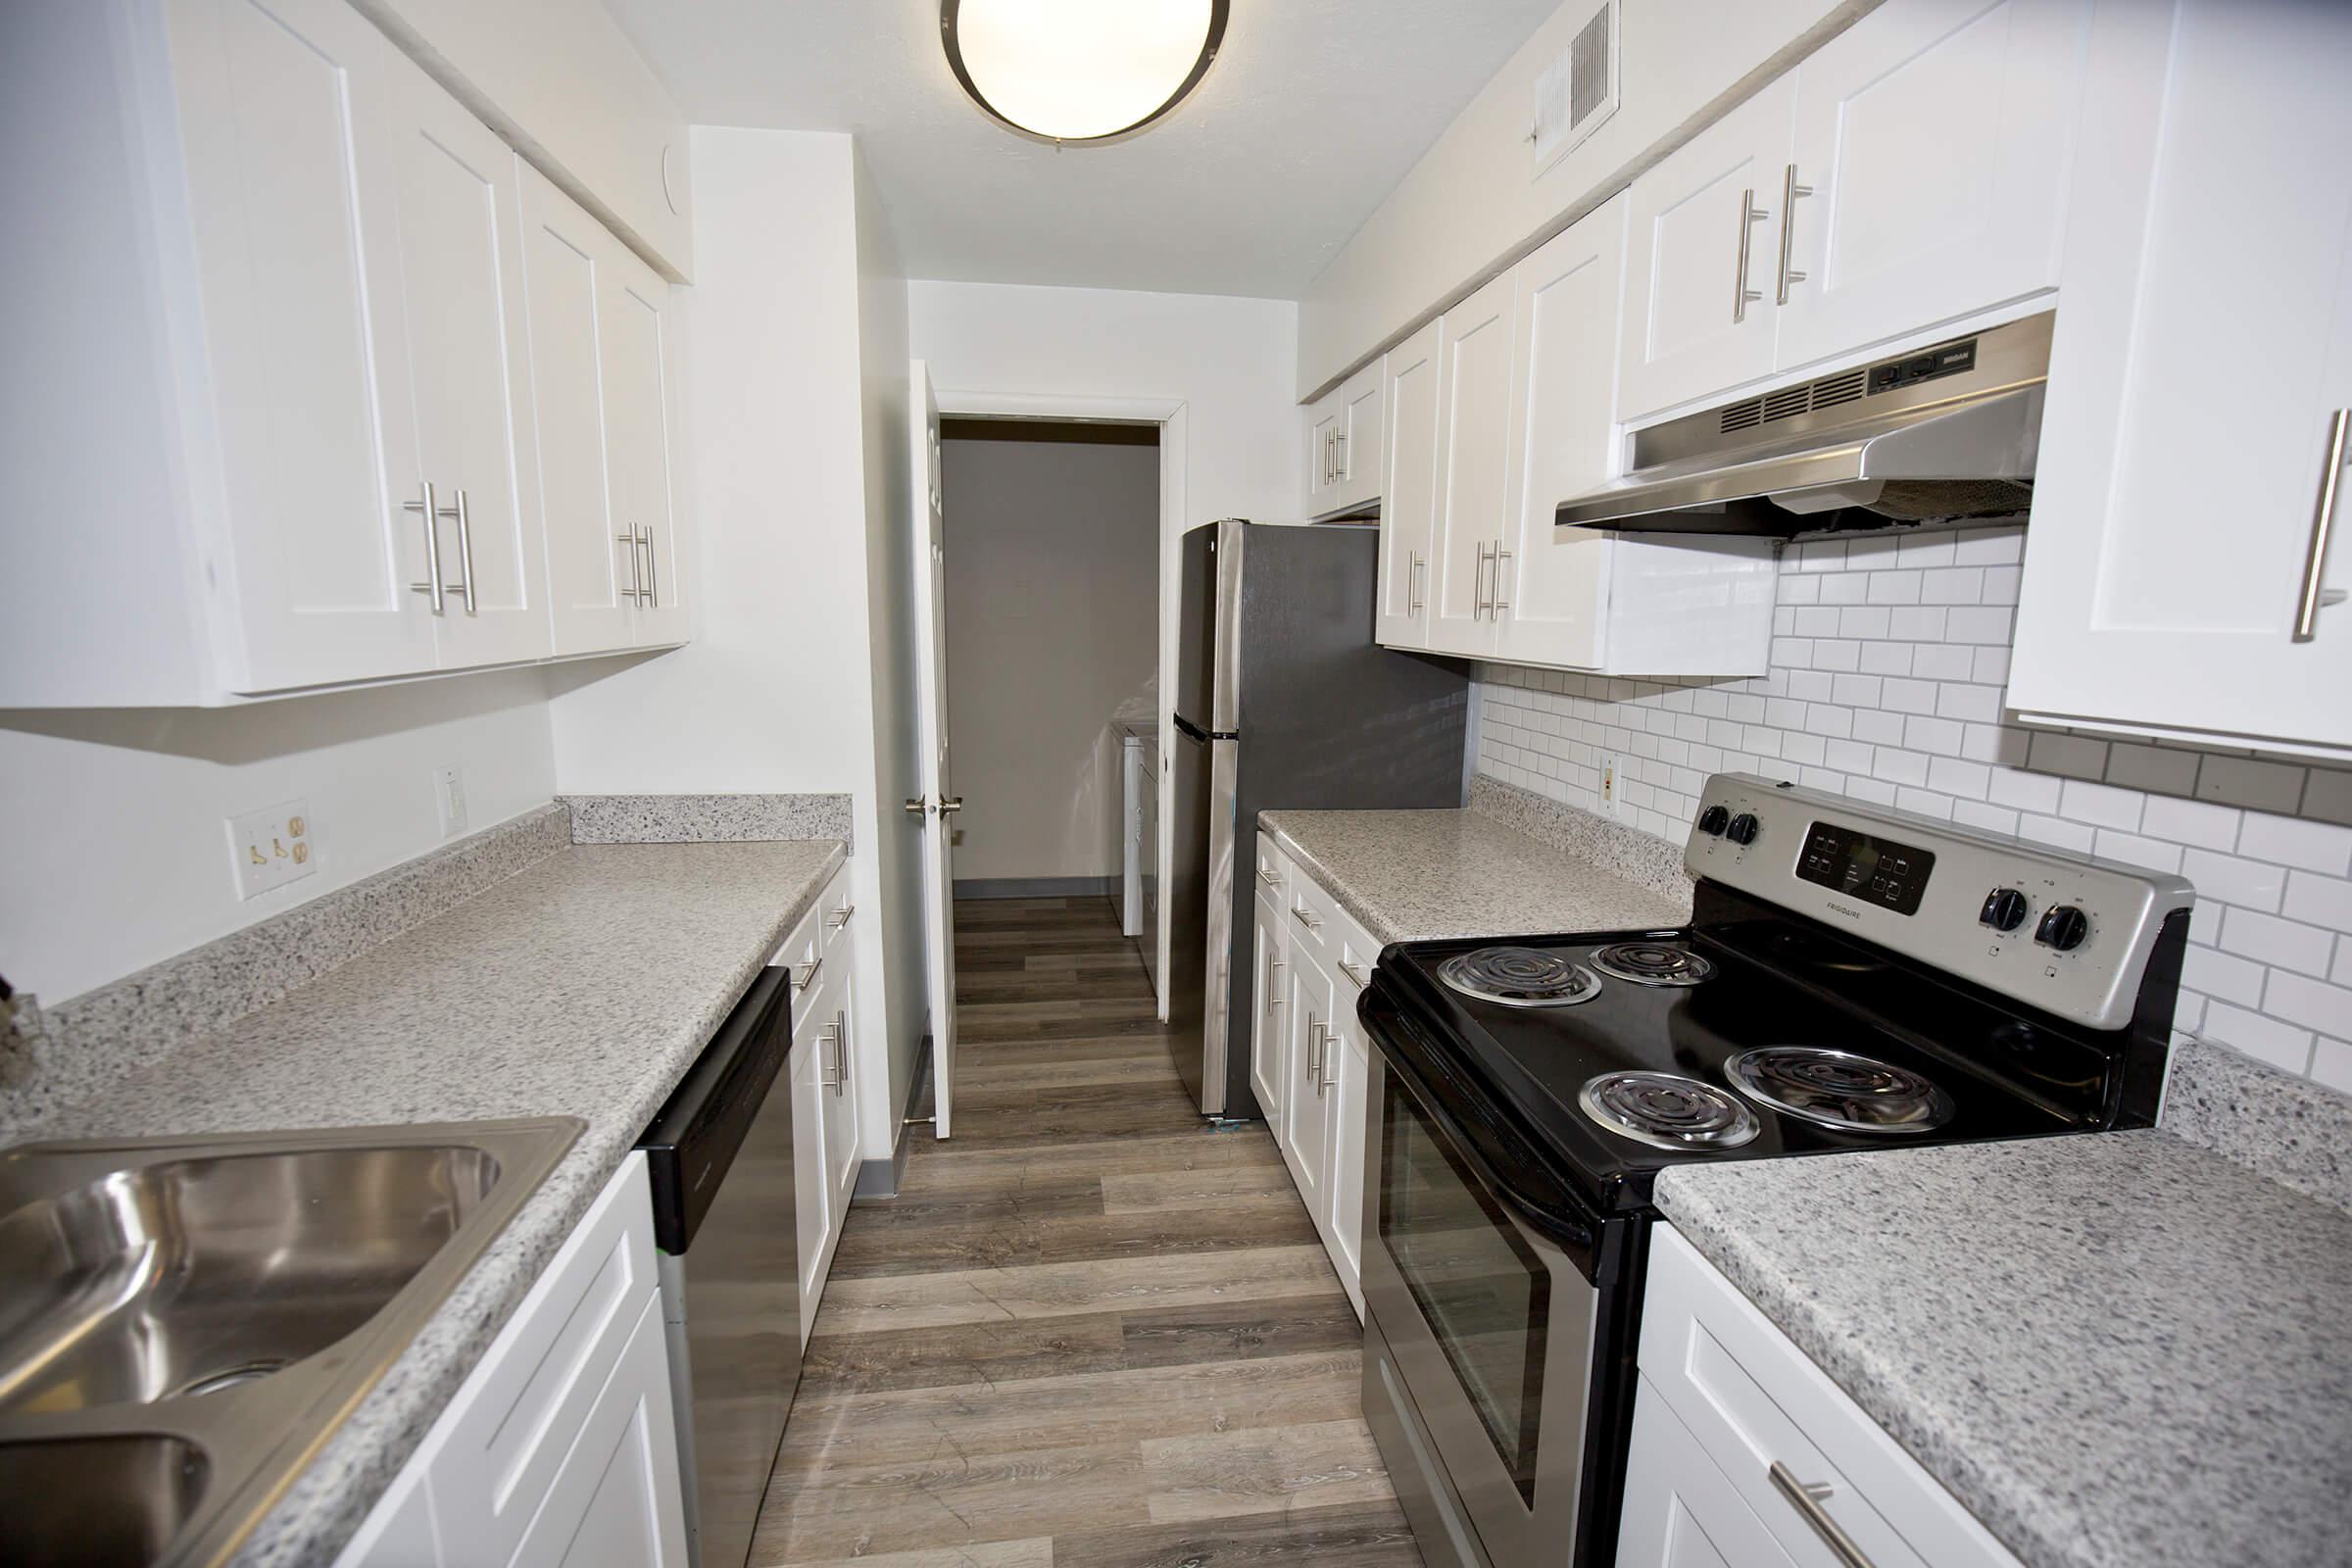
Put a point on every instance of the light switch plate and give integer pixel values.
(1608, 785)
(271, 847)
(449, 792)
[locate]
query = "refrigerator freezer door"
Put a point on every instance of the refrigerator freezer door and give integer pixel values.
(1201, 923)
(1208, 639)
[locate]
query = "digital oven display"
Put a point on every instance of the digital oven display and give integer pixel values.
(1875, 870)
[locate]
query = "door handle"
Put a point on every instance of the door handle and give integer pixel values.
(918, 807)
(2313, 597)
(432, 513)
(1314, 1049)
(652, 571)
(1806, 1500)
(950, 807)
(1495, 602)
(1273, 975)
(1790, 190)
(1742, 296)
(634, 593)
(841, 1050)
(1413, 601)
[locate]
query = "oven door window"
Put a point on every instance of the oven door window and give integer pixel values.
(1482, 1290)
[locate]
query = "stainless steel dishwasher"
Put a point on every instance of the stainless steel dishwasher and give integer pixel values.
(721, 1158)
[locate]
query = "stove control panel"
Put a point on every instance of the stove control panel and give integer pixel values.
(2062, 932)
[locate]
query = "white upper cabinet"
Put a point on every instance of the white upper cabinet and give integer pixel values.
(2179, 577)
(1929, 173)
(1343, 436)
(1911, 172)
(279, 304)
(604, 372)
(1474, 394)
(285, 126)
(1700, 258)
(1408, 502)
(461, 242)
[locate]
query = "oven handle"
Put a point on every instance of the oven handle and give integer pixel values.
(1552, 1213)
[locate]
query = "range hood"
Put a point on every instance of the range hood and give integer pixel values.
(1945, 432)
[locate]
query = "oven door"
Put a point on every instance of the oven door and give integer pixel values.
(1490, 1328)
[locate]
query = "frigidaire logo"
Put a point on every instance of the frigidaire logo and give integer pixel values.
(1839, 908)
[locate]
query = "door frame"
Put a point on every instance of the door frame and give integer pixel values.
(1171, 414)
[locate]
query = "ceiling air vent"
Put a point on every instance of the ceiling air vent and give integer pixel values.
(1743, 416)
(1578, 90)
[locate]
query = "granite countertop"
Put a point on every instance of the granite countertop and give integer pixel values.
(2117, 1350)
(1412, 875)
(585, 985)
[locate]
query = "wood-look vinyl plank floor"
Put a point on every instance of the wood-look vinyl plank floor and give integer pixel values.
(1089, 1330)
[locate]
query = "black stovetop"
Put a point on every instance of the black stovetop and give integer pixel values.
(2009, 1074)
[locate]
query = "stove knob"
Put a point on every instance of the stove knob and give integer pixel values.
(1711, 821)
(1742, 828)
(2063, 926)
(2004, 909)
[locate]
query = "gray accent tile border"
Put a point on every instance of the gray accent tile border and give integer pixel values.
(100, 1036)
(706, 818)
(2274, 1123)
(1641, 858)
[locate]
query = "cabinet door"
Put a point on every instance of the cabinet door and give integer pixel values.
(1563, 441)
(286, 123)
(1678, 1510)
(1271, 965)
(2197, 383)
(462, 269)
(591, 574)
(619, 1500)
(1349, 1071)
(841, 1102)
(640, 366)
(1360, 435)
(1409, 504)
(811, 1195)
(1474, 397)
(1305, 1108)
(1700, 232)
(1936, 138)
(1322, 454)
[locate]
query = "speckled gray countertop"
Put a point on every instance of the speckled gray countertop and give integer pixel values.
(1411, 875)
(2117, 1350)
(585, 985)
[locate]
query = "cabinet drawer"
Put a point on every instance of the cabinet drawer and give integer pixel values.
(1352, 955)
(1311, 912)
(801, 951)
(834, 911)
(518, 1415)
(1680, 1511)
(1273, 869)
(1751, 1399)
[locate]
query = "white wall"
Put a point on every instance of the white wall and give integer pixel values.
(773, 693)
(112, 823)
(1053, 598)
(1469, 207)
(1886, 684)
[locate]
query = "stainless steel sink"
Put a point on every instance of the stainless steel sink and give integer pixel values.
(183, 1322)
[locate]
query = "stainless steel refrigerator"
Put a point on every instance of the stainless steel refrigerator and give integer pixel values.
(1282, 702)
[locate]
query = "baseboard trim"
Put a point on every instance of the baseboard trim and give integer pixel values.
(1035, 887)
(882, 1178)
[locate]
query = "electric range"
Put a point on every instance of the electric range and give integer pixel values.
(1852, 978)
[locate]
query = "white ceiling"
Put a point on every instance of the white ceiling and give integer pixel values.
(1313, 111)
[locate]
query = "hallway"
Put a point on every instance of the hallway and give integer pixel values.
(1089, 1330)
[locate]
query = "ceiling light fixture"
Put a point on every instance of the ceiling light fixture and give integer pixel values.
(1088, 71)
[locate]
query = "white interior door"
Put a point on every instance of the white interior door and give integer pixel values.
(931, 678)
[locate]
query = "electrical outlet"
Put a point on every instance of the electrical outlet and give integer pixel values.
(271, 847)
(1608, 785)
(449, 791)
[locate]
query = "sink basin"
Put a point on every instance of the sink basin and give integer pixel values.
(104, 1500)
(185, 1322)
(188, 1276)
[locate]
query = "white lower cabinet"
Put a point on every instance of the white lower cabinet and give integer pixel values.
(1525, 418)
(560, 1447)
(1745, 1451)
(2189, 554)
(1308, 1061)
(822, 1081)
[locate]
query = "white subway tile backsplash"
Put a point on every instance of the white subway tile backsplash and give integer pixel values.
(1887, 663)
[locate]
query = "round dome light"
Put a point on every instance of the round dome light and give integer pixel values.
(1080, 70)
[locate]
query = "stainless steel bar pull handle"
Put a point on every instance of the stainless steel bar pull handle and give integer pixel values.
(829, 1069)
(841, 1050)
(1339, 454)
(1305, 919)
(1269, 878)
(1495, 599)
(840, 916)
(652, 571)
(634, 593)
(808, 976)
(432, 513)
(1478, 585)
(1314, 1049)
(1273, 982)
(1413, 602)
(1807, 1501)
(1751, 214)
(2314, 598)
(1790, 190)
(1355, 976)
(466, 549)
